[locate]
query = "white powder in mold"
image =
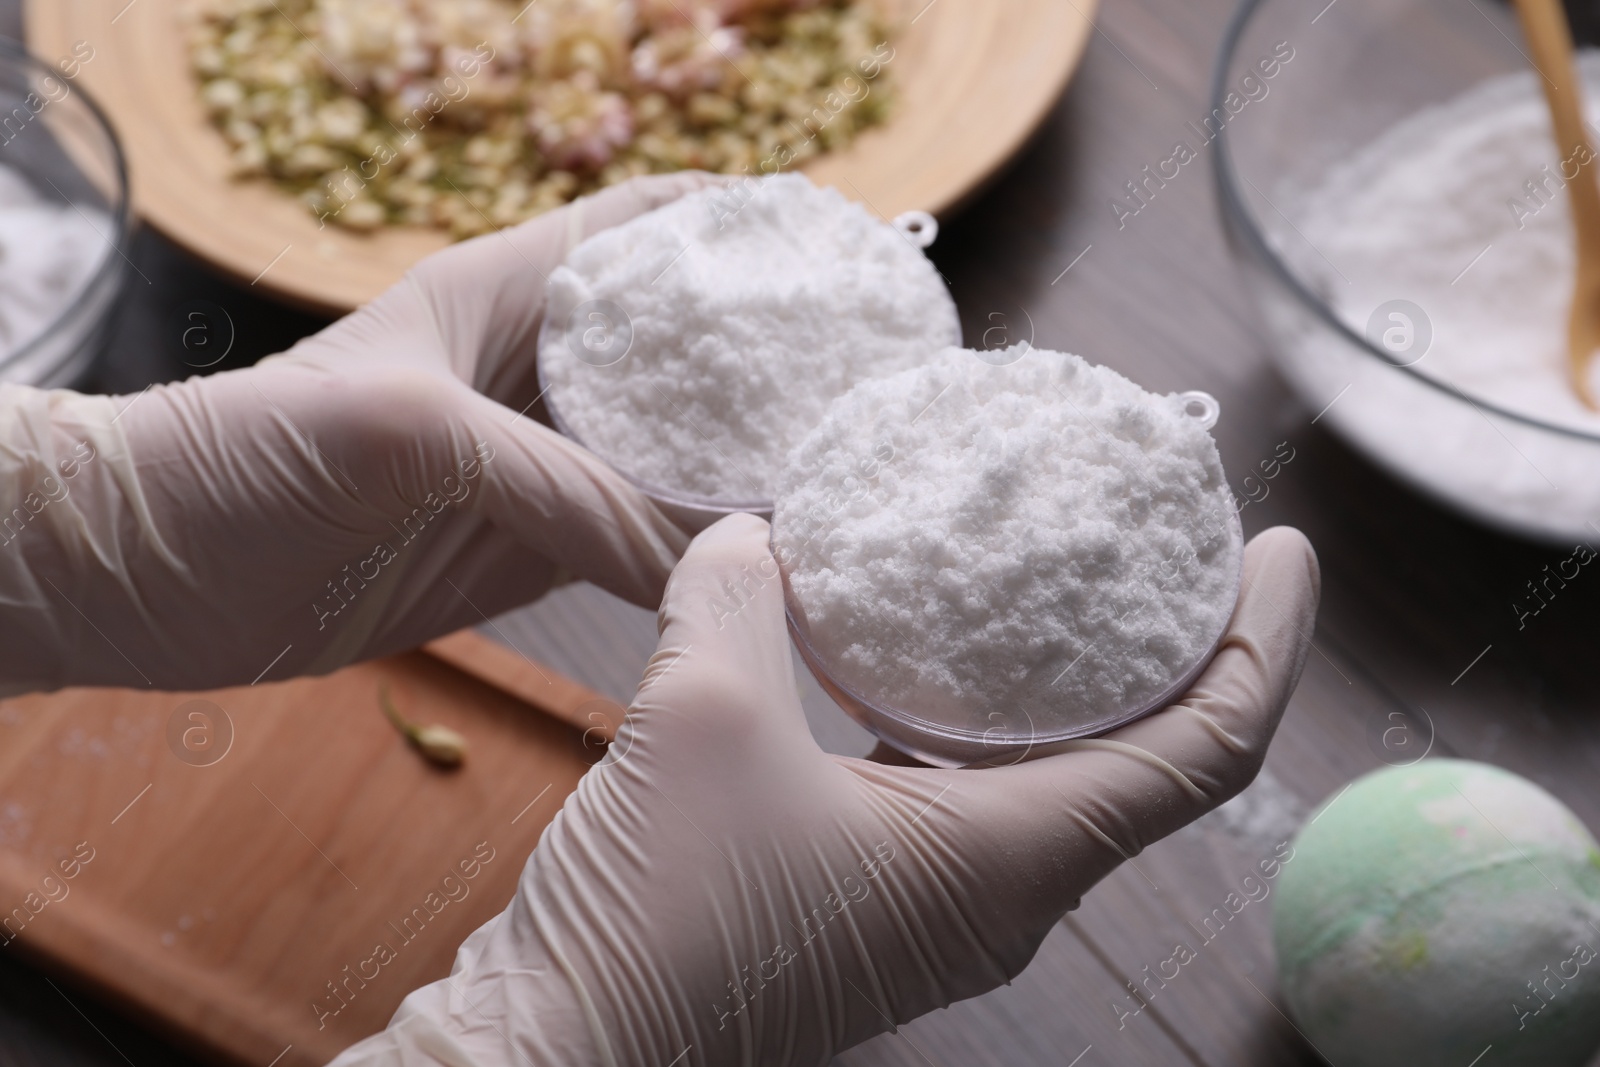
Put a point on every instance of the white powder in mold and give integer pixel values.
(750, 311)
(48, 251)
(967, 541)
(1427, 213)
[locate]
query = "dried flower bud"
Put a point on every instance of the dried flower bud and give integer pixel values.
(439, 744)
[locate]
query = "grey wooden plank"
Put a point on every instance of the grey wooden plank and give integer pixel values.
(1043, 1019)
(1222, 1000)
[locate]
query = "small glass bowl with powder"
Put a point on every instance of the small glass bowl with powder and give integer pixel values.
(63, 217)
(1399, 206)
(694, 346)
(998, 551)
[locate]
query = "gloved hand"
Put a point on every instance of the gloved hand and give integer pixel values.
(372, 488)
(720, 891)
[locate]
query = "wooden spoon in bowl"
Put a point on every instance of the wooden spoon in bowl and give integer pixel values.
(1544, 24)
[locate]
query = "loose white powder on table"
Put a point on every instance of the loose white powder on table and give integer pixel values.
(968, 541)
(750, 309)
(1450, 210)
(48, 252)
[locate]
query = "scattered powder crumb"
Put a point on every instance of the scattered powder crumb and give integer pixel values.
(48, 252)
(78, 743)
(751, 307)
(1259, 818)
(966, 540)
(16, 824)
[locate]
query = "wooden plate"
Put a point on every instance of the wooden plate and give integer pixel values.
(973, 78)
(226, 864)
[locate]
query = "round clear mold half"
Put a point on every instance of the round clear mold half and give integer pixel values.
(602, 336)
(1014, 734)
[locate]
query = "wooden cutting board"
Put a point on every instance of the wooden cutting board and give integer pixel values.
(266, 871)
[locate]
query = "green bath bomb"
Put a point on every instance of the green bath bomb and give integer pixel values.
(1434, 910)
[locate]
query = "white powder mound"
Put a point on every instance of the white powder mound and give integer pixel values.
(751, 308)
(1438, 211)
(48, 251)
(1037, 547)
(1461, 210)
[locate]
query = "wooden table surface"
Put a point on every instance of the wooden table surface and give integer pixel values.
(1416, 614)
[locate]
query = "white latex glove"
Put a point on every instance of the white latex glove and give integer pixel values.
(720, 891)
(370, 489)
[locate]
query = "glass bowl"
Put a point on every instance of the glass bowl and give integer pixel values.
(1357, 68)
(58, 141)
(1013, 736)
(596, 333)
